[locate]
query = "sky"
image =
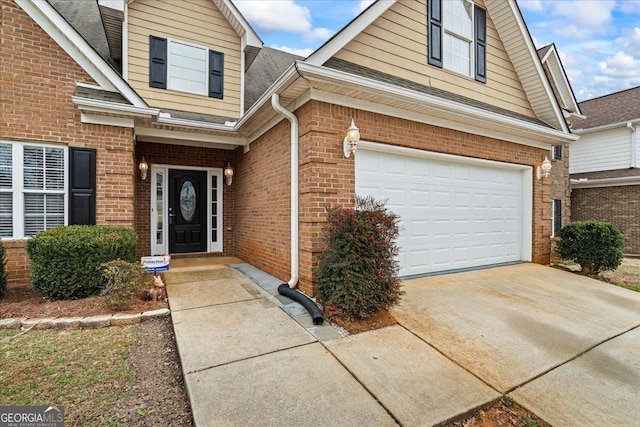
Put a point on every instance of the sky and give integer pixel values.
(598, 40)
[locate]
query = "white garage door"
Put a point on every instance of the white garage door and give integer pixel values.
(456, 212)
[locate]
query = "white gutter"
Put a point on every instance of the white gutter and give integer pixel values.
(605, 182)
(455, 108)
(275, 103)
(634, 145)
(86, 104)
(606, 127)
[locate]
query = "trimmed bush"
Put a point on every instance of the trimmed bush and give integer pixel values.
(358, 272)
(124, 282)
(595, 245)
(3, 272)
(65, 260)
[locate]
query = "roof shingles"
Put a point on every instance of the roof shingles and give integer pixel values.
(617, 107)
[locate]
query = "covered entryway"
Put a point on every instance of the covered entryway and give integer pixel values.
(456, 212)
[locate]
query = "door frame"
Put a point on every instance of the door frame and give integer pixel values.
(162, 248)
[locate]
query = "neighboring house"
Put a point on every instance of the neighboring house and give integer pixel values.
(559, 154)
(605, 165)
(454, 109)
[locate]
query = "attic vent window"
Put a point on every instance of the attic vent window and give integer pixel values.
(458, 37)
(185, 67)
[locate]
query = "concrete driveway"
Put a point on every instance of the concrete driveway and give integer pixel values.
(564, 346)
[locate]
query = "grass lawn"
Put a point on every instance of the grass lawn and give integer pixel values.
(84, 370)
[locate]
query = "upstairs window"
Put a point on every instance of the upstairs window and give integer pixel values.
(185, 67)
(458, 37)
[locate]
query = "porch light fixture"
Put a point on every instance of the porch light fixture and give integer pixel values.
(543, 170)
(228, 174)
(144, 167)
(351, 140)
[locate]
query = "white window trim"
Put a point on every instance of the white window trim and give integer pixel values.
(18, 190)
(472, 50)
(163, 249)
(206, 67)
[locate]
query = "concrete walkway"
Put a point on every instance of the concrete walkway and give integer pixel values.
(250, 357)
(561, 345)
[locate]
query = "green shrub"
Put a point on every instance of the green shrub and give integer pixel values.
(358, 272)
(595, 245)
(124, 282)
(65, 260)
(3, 273)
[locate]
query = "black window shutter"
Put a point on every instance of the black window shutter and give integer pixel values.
(557, 152)
(435, 33)
(82, 186)
(157, 62)
(481, 44)
(557, 218)
(216, 74)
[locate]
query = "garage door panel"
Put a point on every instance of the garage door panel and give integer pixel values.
(453, 215)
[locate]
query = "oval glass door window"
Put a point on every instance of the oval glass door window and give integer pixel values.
(188, 201)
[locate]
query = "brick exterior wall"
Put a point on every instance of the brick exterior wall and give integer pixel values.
(617, 205)
(177, 155)
(328, 180)
(263, 209)
(38, 80)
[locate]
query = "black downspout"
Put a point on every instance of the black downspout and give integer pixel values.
(306, 302)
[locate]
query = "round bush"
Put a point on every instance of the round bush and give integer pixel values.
(595, 245)
(65, 260)
(358, 272)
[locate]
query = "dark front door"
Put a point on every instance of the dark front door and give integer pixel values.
(187, 211)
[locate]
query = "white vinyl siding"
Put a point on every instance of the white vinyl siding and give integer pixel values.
(601, 151)
(33, 188)
(187, 67)
(458, 36)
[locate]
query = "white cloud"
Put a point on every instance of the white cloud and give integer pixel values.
(620, 65)
(591, 14)
(304, 52)
(630, 6)
(362, 5)
(276, 15)
(319, 34)
(533, 5)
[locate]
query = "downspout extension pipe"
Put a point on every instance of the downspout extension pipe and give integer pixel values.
(288, 289)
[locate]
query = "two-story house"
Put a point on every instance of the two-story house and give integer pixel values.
(173, 119)
(605, 164)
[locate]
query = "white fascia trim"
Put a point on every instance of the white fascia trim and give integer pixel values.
(606, 127)
(95, 119)
(455, 108)
(345, 101)
(349, 32)
(293, 106)
(569, 114)
(565, 82)
(110, 107)
(282, 82)
(195, 124)
(535, 60)
(188, 136)
(606, 182)
(78, 49)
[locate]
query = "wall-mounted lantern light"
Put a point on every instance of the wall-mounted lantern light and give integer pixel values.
(228, 174)
(144, 167)
(350, 143)
(543, 170)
